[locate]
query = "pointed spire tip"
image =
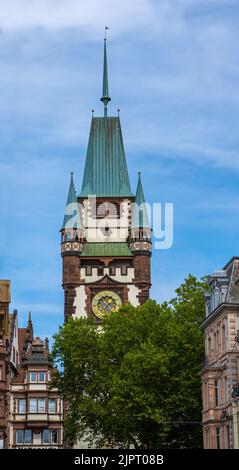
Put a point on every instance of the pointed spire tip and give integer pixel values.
(105, 92)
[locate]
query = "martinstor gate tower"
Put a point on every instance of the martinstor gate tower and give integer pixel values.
(106, 235)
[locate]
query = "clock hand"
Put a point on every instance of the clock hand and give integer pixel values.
(103, 304)
(107, 307)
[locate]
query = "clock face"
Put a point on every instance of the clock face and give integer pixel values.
(105, 302)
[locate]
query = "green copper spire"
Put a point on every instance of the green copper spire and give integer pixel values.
(140, 217)
(105, 172)
(105, 94)
(72, 192)
(72, 216)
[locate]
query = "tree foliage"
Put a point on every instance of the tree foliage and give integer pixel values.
(135, 379)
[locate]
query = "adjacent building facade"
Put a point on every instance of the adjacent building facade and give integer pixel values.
(106, 235)
(31, 412)
(5, 299)
(220, 375)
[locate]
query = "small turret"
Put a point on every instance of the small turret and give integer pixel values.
(72, 232)
(140, 243)
(140, 231)
(72, 240)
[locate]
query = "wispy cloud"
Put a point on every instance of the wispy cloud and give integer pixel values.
(173, 71)
(58, 14)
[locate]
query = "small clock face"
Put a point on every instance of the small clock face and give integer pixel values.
(105, 302)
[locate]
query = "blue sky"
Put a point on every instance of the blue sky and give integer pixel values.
(174, 74)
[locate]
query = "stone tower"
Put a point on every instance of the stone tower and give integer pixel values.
(106, 234)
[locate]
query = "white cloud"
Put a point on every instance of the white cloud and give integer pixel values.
(58, 14)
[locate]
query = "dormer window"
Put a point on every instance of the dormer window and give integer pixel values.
(38, 377)
(218, 282)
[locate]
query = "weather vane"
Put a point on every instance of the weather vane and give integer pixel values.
(106, 27)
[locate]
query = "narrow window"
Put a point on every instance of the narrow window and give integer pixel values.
(216, 392)
(22, 406)
(54, 437)
(41, 405)
(218, 437)
(33, 377)
(144, 234)
(52, 405)
(33, 405)
(41, 377)
(112, 270)
(88, 270)
(28, 436)
(223, 338)
(209, 346)
(19, 437)
(124, 270)
(100, 271)
(46, 436)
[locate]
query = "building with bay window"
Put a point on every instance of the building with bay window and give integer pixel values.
(31, 412)
(36, 410)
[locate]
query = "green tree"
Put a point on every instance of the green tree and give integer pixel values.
(135, 379)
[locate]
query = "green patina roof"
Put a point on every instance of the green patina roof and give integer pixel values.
(71, 215)
(106, 173)
(140, 213)
(105, 92)
(106, 249)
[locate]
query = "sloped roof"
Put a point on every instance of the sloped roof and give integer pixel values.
(71, 215)
(232, 270)
(106, 173)
(140, 216)
(106, 249)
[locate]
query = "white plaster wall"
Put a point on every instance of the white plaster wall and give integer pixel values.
(117, 277)
(80, 303)
(119, 228)
(132, 295)
(125, 278)
(96, 235)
